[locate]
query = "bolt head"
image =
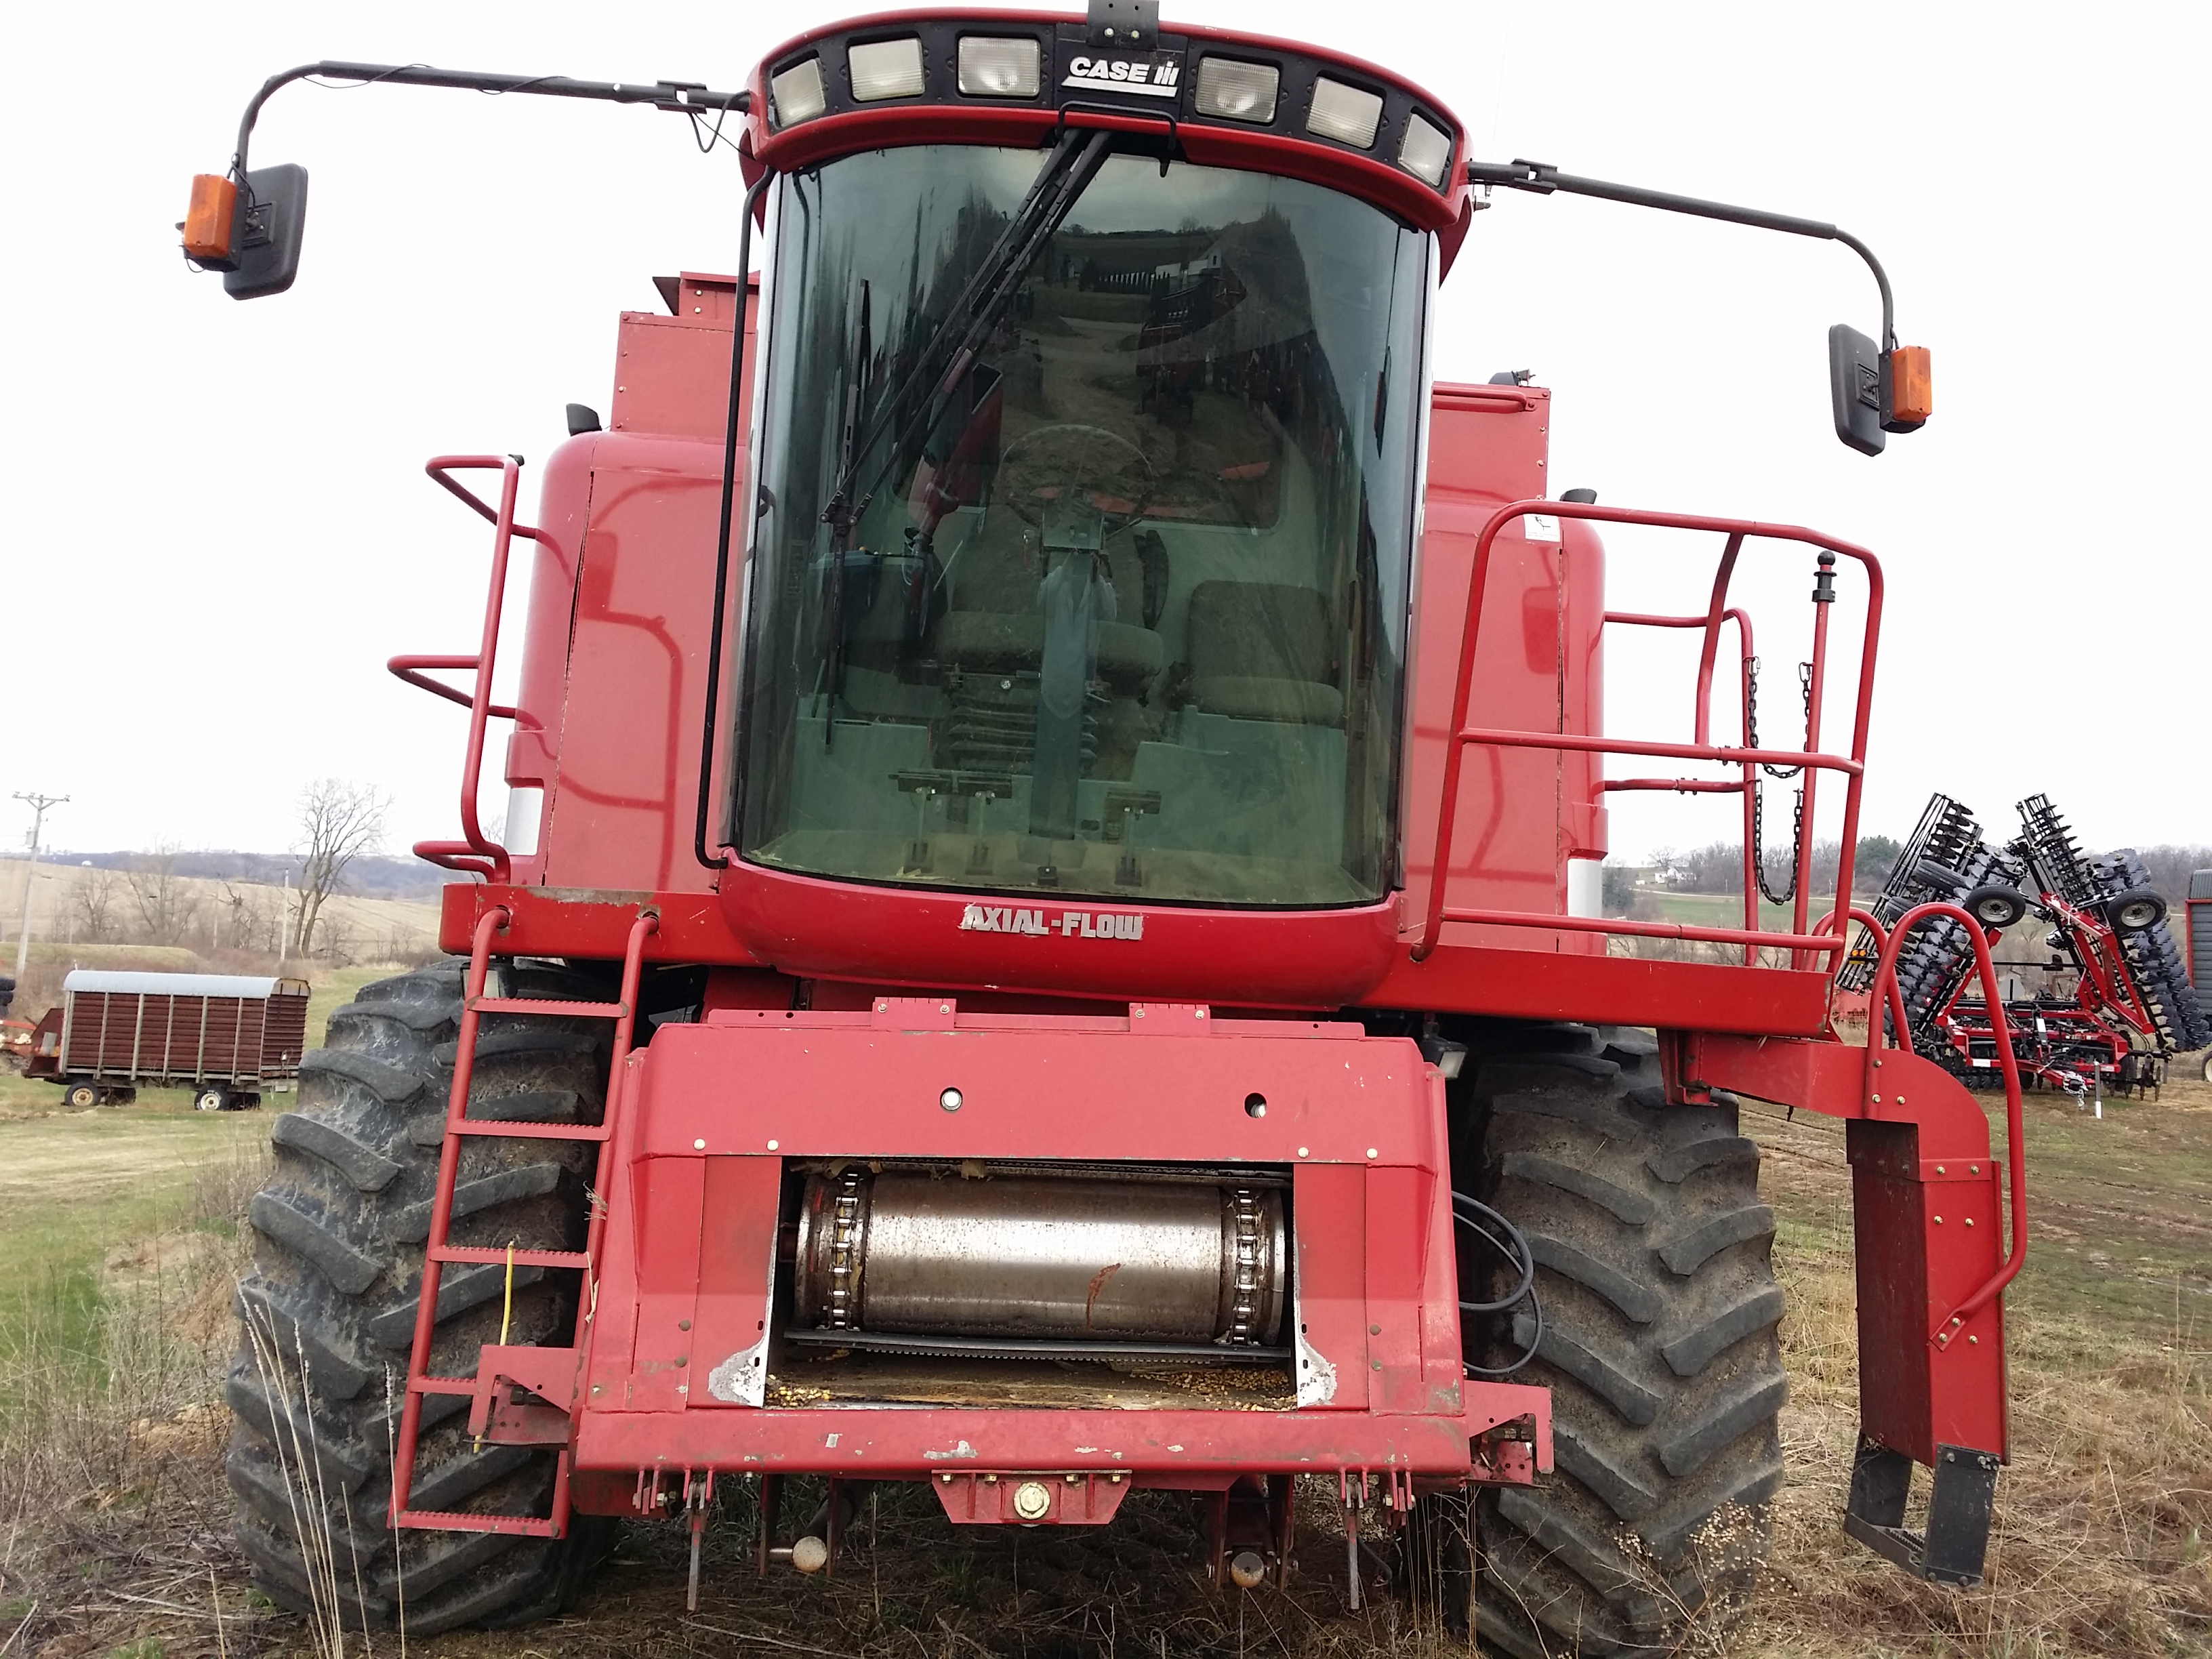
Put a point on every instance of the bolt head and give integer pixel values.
(1031, 1501)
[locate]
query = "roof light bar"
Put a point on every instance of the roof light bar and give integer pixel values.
(1235, 91)
(1347, 114)
(991, 68)
(797, 94)
(1424, 151)
(885, 68)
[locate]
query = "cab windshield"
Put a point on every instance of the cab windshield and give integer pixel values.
(1118, 608)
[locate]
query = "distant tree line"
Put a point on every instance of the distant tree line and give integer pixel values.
(1717, 867)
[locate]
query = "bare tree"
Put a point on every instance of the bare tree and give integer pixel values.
(339, 821)
(93, 912)
(164, 901)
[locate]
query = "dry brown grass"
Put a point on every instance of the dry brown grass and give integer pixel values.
(2103, 1537)
(113, 1513)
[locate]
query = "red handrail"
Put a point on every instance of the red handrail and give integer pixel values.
(1799, 940)
(1885, 979)
(475, 852)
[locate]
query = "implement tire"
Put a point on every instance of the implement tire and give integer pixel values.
(1659, 1344)
(328, 1308)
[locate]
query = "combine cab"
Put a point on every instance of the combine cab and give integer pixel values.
(1046, 942)
(2124, 1005)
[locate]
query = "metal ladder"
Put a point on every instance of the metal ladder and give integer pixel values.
(551, 1368)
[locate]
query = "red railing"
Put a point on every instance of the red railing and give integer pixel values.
(1802, 943)
(475, 852)
(1886, 993)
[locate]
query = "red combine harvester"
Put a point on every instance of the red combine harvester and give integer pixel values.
(1057, 791)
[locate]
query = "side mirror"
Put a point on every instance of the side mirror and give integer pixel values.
(251, 234)
(1855, 389)
(1876, 392)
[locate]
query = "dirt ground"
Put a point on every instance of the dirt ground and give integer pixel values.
(2101, 1545)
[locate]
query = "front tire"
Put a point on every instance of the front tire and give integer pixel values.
(329, 1309)
(1659, 1344)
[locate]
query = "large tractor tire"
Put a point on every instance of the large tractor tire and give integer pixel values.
(1658, 1343)
(329, 1309)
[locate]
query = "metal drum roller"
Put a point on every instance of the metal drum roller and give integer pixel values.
(1040, 1258)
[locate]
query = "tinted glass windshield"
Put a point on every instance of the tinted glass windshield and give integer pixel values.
(1121, 610)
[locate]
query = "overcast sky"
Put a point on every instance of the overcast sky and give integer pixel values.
(218, 527)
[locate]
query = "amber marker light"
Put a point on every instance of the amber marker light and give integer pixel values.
(1911, 388)
(207, 221)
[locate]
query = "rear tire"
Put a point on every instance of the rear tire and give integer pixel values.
(81, 1097)
(330, 1307)
(1659, 1344)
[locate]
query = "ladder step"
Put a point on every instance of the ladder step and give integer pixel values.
(533, 1006)
(531, 1130)
(461, 1385)
(527, 1526)
(499, 1257)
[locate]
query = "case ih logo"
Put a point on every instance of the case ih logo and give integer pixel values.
(1078, 924)
(1151, 77)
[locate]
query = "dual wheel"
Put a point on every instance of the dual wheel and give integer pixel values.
(212, 1099)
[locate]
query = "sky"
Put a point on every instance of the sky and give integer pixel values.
(219, 527)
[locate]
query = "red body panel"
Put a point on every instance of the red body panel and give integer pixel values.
(717, 1111)
(614, 653)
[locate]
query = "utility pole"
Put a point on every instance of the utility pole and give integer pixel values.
(39, 804)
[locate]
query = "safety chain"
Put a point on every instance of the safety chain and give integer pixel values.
(846, 1230)
(1244, 1303)
(1758, 801)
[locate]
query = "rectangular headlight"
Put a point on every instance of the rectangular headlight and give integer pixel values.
(885, 68)
(999, 69)
(797, 92)
(1344, 113)
(1424, 151)
(1236, 92)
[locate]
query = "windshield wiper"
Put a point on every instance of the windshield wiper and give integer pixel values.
(1068, 172)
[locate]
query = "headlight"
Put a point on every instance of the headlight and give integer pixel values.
(1236, 92)
(999, 69)
(797, 92)
(885, 68)
(1424, 152)
(1344, 113)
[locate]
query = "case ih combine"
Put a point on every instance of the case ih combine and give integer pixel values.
(1057, 792)
(2131, 1007)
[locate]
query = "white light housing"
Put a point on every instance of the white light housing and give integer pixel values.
(885, 68)
(1236, 91)
(999, 69)
(1424, 151)
(797, 92)
(1344, 113)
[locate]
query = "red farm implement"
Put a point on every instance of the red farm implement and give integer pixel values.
(1011, 910)
(2119, 1004)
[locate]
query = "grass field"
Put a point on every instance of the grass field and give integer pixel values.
(119, 1232)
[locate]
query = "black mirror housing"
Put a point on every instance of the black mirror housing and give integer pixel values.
(1855, 389)
(271, 219)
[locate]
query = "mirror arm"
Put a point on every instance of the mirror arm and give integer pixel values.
(1543, 179)
(683, 97)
